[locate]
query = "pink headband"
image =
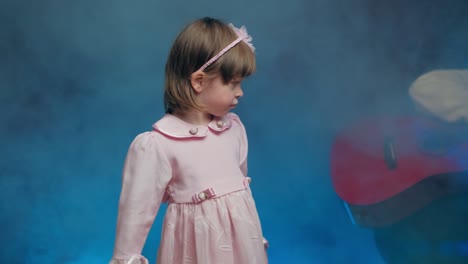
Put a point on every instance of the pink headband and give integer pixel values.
(241, 35)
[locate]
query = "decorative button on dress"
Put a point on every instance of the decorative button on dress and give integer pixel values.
(201, 171)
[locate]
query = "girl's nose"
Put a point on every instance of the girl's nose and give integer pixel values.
(239, 93)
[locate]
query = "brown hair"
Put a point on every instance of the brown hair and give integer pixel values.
(195, 45)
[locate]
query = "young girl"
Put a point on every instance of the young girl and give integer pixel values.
(195, 158)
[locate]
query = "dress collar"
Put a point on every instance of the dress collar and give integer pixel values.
(175, 127)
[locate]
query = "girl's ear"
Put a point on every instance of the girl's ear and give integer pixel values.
(197, 79)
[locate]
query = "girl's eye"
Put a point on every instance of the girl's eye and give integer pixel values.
(234, 85)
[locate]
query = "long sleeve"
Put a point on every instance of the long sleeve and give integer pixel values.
(244, 149)
(146, 174)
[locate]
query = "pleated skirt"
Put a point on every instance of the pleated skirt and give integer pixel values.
(223, 230)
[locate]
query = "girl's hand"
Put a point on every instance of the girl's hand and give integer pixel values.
(265, 243)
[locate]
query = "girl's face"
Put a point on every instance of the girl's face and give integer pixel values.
(218, 97)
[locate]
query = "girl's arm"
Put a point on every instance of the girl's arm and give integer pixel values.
(146, 174)
(244, 147)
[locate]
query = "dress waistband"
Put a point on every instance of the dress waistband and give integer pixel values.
(211, 192)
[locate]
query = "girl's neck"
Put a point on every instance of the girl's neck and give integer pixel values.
(194, 117)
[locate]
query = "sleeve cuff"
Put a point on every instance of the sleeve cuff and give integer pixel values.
(136, 259)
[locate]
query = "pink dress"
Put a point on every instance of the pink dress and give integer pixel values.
(201, 171)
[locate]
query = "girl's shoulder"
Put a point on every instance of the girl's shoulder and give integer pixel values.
(146, 138)
(234, 117)
(236, 121)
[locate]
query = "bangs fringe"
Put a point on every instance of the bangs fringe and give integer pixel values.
(237, 62)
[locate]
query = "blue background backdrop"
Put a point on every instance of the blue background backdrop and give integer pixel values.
(79, 79)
